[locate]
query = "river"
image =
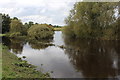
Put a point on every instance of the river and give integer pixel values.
(79, 58)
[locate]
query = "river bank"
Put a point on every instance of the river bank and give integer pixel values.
(14, 67)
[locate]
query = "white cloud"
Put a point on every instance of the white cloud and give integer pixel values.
(48, 11)
(11, 11)
(37, 18)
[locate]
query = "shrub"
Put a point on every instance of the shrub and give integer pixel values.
(38, 32)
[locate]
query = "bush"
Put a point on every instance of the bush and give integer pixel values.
(38, 32)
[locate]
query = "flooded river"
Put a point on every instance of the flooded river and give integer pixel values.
(69, 58)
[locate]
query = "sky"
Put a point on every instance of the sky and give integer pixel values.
(40, 11)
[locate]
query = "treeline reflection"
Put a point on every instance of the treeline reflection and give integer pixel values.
(94, 58)
(16, 45)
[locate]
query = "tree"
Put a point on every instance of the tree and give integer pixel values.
(0, 23)
(118, 22)
(15, 18)
(5, 23)
(36, 23)
(39, 31)
(30, 23)
(16, 26)
(92, 20)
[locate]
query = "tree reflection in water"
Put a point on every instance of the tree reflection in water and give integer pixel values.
(16, 44)
(95, 59)
(41, 44)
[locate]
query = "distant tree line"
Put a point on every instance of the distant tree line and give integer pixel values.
(96, 20)
(57, 26)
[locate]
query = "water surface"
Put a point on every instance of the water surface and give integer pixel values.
(79, 58)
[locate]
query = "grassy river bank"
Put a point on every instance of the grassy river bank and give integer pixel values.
(14, 67)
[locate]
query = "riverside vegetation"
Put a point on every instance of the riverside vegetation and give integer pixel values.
(14, 67)
(97, 21)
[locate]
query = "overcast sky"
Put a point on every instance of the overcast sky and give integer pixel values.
(41, 11)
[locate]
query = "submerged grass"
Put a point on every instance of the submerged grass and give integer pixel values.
(14, 67)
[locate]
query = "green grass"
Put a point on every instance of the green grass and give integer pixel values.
(58, 29)
(13, 67)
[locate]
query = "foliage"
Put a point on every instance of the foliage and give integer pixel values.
(0, 23)
(16, 26)
(26, 26)
(40, 32)
(31, 23)
(92, 20)
(5, 23)
(15, 34)
(15, 18)
(57, 26)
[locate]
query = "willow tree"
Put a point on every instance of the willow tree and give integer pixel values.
(16, 28)
(92, 20)
(16, 25)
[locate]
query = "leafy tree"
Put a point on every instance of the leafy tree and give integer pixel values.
(5, 23)
(118, 23)
(31, 23)
(0, 23)
(16, 26)
(15, 18)
(92, 20)
(39, 31)
(56, 26)
(36, 23)
(26, 26)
